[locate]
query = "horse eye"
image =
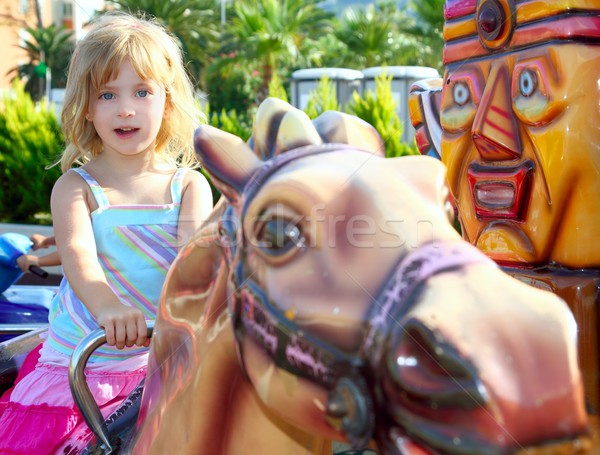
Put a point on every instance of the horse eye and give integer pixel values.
(278, 236)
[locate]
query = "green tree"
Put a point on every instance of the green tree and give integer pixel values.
(367, 35)
(30, 139)
(233, 87)
(379, 109)
(46, 46)
(335, 52)
(193, 22)
(322, 99)
(277, 89)
(428, 28)
(274, 35)
(375, 36)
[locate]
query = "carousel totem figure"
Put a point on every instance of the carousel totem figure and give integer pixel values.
(516, 121)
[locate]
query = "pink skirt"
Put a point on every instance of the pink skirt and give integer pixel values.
(41, 416)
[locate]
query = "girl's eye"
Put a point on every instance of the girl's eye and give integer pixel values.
(106, 96)
(528, 82)
(460, 93)
(143, 93)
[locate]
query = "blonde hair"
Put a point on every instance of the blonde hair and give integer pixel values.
(154, 54)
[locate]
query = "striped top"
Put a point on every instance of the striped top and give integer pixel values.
(136, 244)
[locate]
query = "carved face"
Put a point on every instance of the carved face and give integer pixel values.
(520, 131)
(519, 140)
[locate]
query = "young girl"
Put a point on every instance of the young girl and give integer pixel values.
(128, 119)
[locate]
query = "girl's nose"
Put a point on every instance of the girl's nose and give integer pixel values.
(126, 109)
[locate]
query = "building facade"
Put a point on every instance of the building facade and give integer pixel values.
(17, 15)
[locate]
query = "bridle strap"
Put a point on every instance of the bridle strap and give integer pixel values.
(413, 270)
(256, 182)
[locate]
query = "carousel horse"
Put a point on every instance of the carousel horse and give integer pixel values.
(329, 297)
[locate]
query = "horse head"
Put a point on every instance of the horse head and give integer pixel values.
(329, 297)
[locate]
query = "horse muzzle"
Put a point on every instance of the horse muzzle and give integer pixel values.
(485, 379)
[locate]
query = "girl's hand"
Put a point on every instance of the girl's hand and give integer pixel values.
(124, 326)
(39, 241)
(27, 260)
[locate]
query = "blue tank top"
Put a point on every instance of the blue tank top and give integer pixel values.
(136, 245)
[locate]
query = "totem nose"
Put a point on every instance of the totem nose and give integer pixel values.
(428, 369)
(495, 131)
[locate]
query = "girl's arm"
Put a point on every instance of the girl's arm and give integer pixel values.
(39, 241)
(70, 203)
(48, 260)
(196, 206)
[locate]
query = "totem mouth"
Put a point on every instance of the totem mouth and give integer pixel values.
(500, 192)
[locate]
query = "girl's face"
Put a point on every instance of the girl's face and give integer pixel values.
(127, 113)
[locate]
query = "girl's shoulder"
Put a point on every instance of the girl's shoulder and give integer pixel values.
(193, 176)
(197, 191)
(69, 180)
(71, 186)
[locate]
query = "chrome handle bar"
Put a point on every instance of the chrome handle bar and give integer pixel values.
(80, 390)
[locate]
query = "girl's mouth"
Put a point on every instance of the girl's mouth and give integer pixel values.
(125, 132)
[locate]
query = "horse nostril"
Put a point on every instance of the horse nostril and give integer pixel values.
(426, 368)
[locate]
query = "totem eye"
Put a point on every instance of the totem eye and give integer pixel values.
(528, 82)
(460, 99)
(533, 85)
(277, 236)
(460, 93)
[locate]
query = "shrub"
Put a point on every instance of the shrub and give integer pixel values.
(232, 86)
(322, 99)
(230, 123)
(30, 140)
(379, 110)
(276, 88)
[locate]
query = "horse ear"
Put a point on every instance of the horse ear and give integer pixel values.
(227, 158)
(338, 127)
(295, 131)
(280, 127)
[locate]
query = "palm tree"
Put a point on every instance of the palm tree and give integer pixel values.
(274, 35)
(367, 36)
(428, 27)
(193, 22)
(376, 36)
(47, 46)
